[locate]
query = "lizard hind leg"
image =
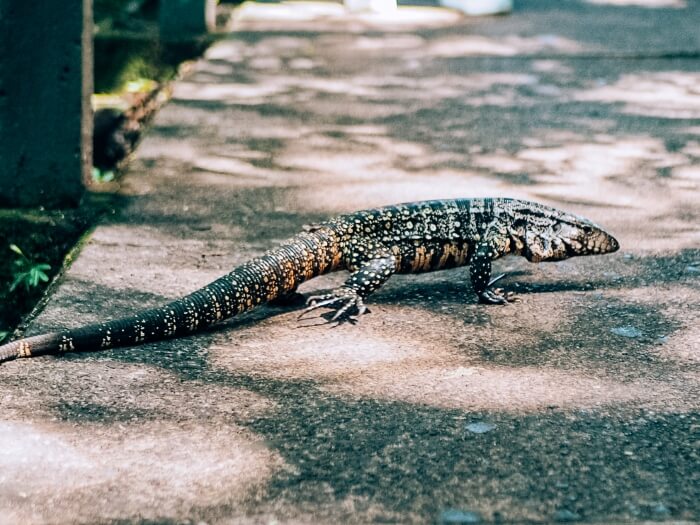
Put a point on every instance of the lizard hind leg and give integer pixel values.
(348, 300)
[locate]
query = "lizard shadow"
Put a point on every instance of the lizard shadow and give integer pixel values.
(459, 291)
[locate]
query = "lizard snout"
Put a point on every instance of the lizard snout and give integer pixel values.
(599, 241)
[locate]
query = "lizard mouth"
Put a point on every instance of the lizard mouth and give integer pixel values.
(604, 243)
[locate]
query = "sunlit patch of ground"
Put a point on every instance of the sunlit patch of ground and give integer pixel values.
(385, 42)
(686, 178)
(149, 471)
(321, 354)
(124, 440)
(651, 4)
(517, 389)
(116, 245)
(235, 51)
(665, 94)
(590, 163)
(127, 393)
(450, 373)
(692, 148)
(511, 45)
(551, 66)
(679, 302)
(333, 15)
(221, 92)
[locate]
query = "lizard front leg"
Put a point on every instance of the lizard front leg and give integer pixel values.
(371, 265)
(480, 272)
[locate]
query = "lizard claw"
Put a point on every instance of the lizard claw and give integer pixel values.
(318, 301)
(342, 299)
(511, 297)
(497, 296)
(496, 279)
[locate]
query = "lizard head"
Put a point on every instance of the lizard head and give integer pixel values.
(553, 235)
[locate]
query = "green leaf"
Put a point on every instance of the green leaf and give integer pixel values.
(19, 279)
(27, 272)
(102, 176)
(4, 335)
(37, 275)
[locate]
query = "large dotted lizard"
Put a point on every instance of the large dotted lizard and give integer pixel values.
(372, 245)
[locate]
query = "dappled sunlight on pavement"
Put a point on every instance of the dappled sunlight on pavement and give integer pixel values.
(668, 94)
(336, 16)
(678, 4)
(580, 400)
(101, 470)
(462, 46)
(452, 374)
(111, 461)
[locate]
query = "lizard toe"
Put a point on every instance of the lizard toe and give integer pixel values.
(318, 301)
(348, 304)
(495, 297)
(352, 302)
(511, 297)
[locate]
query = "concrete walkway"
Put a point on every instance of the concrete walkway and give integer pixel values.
(578, 403)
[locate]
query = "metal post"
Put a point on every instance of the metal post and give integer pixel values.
(45, 115)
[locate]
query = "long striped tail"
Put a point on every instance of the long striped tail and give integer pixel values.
(263, 279)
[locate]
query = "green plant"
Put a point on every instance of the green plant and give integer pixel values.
(102, 176)
(27, 272)
(3, 336)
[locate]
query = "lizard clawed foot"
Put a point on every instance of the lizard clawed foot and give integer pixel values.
(342, 299)
(497, 296)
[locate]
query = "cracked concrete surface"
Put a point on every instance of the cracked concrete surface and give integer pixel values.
(578, 403)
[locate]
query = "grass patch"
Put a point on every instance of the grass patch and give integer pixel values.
(42, 241)
(44, 238)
